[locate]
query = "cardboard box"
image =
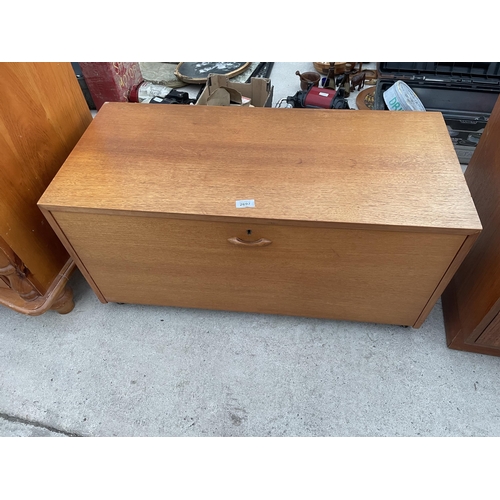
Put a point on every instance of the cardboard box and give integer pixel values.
(220, 91)
(226, 96)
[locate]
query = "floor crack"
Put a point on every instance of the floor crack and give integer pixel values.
(20, 420)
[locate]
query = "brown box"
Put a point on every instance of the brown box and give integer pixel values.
(259, 90)
(226, 96)
(266, 210)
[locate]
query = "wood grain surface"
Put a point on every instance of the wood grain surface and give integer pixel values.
(471, 302)
(76, 258)
(467, 244)
(371, 168)
(491, 334)
(42, 116)
(379, 276)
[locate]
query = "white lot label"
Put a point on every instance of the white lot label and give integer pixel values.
(324, 94)
(245, 203)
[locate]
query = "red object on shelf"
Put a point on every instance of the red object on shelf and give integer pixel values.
(110, 81)
(319, 98)
(133, 95)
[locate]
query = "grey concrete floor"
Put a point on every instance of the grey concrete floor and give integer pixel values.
(132, 370)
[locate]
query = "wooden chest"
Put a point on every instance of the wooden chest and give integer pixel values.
(333, 214)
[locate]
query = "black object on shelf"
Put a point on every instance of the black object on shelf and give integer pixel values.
(465, 92)
(263, 70)
(83, 85)
(173, 97)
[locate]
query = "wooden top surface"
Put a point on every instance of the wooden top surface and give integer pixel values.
(306, 165)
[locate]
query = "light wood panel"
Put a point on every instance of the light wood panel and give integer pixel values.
(42, 116)
(448, 275)
(76, 258)
(368, 168)
(379, 276)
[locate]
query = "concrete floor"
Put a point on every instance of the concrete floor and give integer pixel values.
(131, 370)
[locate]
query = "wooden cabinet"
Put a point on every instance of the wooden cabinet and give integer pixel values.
(42, 116)
(347, 215)
(471, 302)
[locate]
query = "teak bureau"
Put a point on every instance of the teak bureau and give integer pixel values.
(43, 114)
(353, 215)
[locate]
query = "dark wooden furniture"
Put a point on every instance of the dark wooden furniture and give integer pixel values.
(42, 115)
(356, 215)
(471, 302)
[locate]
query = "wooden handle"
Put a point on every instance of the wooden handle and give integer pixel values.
(257, 243)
